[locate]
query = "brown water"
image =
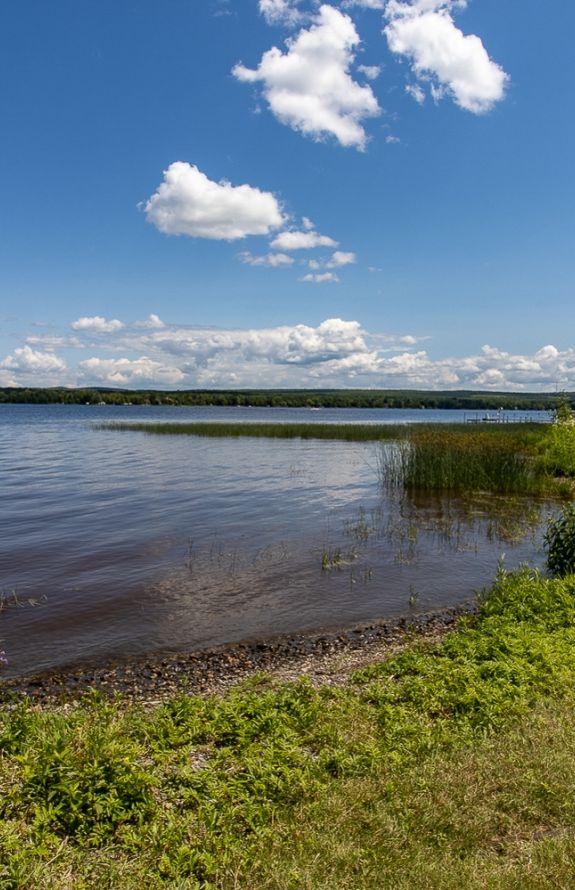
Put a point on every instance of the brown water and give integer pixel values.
(118, 544)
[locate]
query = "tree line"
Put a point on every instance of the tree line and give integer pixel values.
(288, 398)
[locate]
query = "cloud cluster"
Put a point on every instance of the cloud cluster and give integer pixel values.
(335, 353)
(124, 372)
(338, 259)
(309, 87)
(97, 324)
(26, 364)
(188, 203)
(453, 63)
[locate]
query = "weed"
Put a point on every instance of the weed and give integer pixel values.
(560, 543)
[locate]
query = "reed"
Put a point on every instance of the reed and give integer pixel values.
(346, 431)
(456, 460)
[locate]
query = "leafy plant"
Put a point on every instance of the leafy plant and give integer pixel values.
(560, 543)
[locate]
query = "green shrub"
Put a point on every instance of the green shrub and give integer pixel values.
(560, 543)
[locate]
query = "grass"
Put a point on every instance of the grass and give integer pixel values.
(448, 765)
(346, 431)
(461, 461)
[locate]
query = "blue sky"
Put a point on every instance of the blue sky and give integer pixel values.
(228, 193)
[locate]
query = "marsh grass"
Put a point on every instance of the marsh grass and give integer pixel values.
(464, 460)
(346, 431)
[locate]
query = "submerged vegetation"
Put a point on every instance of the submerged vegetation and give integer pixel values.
(452, 751)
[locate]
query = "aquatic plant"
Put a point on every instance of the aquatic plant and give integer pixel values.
(346, 431)
(462, 460)
(560, 543)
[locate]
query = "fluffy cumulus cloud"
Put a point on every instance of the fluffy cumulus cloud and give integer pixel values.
(302, 240)
(27, 359)
(309, 87)
(28, 367)
(152, 321)
(188, 203)
(453, 63)
(274, 260)
(336, 352)
(97, 324)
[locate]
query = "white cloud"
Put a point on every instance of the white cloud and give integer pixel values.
(129, 372)
(320, 278)
(367, 4)
(97, 324)
(188, 203)
(301, 241)
(335, 353)
(27, 366)
(370, 71)
(338, 259)
(280, 12)
(27, 359)
(275, 260)
(454, 63)
(415, 91)
(309, 87)
(152, 321)
(341, 258)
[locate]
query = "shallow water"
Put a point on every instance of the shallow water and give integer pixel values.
(118, 544)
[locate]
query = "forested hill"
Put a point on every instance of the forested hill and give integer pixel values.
(284, 398)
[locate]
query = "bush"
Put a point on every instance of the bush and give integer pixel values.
(560, 543)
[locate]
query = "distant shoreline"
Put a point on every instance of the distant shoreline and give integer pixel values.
(469, 400)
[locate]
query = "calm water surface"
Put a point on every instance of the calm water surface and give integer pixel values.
(118, 544)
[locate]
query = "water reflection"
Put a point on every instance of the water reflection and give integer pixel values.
(134, 543)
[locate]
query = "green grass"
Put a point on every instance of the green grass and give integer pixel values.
(450, 762)
(347, 431)
(459, 461)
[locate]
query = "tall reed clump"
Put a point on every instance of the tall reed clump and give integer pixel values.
(559, 443)
(458, 460)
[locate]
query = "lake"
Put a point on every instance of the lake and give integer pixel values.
(121, 544)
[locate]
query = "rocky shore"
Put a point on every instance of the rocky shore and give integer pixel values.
(325, 658)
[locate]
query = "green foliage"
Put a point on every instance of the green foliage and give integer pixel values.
(455, 458)
(560, 543)
(192, 790)
(558, 446)
(285, 398)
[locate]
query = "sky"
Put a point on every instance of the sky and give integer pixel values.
(287, 193)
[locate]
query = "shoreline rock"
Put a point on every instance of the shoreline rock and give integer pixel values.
(324, 657)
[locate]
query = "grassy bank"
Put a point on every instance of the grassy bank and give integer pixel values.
(448, 765)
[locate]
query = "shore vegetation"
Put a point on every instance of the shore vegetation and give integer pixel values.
(446, 765)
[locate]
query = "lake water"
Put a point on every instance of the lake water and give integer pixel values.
(119, 544)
